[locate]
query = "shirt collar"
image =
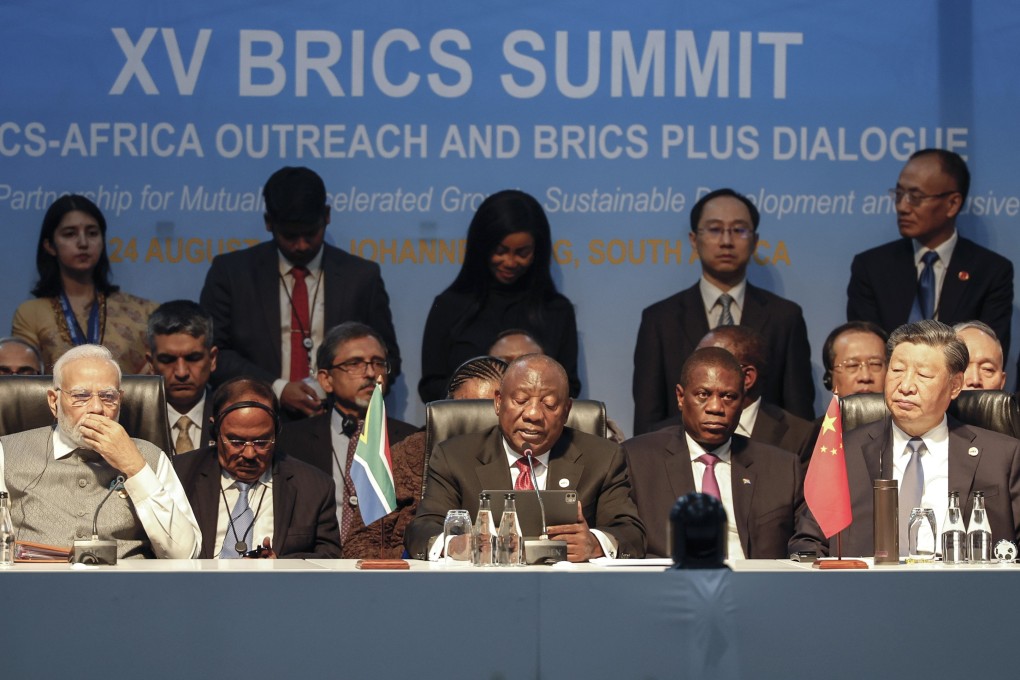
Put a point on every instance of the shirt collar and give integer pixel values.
(936, 435)
(62, 444)
(945, 250)
(226, 481)
(195, 414)
(749, 416)
(710, 293)
(512, 456)
(722, 452)
(313, 267)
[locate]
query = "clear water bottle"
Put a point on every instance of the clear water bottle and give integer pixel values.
(483, 536)
(954, 533)
(979, 532)
(6, 531)
(510, 540)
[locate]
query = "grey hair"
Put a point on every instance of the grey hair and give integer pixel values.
(932, 334)
(180, 316)
(340, 335)
(964, 325)
(82, 352)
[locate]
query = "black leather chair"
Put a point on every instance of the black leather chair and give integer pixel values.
(450, 417)
(991, 409)
(23, 406)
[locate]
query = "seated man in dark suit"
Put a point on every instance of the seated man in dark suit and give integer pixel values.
(926, 451)
(351, 360)
(247, 494)
(180, 339)
(759, 485)
(984, 371)
(853, 357)
(932, 272)
(296, 287)
(724, 234)
(532, 405)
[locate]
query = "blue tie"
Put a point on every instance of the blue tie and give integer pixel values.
(926, 285)
(911, 488)
(243, 524)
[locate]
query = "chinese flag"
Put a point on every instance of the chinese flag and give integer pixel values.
(826, 489)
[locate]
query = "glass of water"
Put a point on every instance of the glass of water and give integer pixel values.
(457, 538)
(922, 536)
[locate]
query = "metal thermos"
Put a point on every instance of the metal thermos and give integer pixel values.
(887, 522)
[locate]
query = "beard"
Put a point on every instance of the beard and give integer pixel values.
(72, 429)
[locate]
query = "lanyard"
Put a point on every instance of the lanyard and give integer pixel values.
(74, 328)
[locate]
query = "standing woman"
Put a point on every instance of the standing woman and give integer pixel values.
(504, 282)
(75, 302)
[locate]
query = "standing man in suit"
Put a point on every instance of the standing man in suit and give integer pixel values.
(180, 339)
(532, 405)
(759, 485)
(724, 233)
(932, 272)
(926, 451)
(984, 370)
(250, 498)
(351, 360)
(273, 302)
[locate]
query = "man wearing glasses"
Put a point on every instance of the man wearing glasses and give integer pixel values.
(57, 476)
(250, 498)
(724, 234)
(352, 360)
(932, 272)
(19, 357)
(854, 359)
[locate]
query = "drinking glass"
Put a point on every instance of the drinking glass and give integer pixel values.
(922, 536)
(457, 538)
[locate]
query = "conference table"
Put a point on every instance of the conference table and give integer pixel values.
(327, 619)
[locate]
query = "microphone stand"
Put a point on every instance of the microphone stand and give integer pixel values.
(541, 550)
(96, 551)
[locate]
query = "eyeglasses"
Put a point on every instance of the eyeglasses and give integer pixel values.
(21, 370)
(83, 397)
(915, 198)
(359, 367)
(239, 445)
(716, 233)
(854, 365)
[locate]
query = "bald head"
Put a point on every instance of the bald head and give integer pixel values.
(748, 347)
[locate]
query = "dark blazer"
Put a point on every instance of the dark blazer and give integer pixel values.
(309, 440)
(766, 482)
(205, 436)
(242, 290)
(672, 328)
(995, 470)
(304, 504)
(978, 286)
(463, 467)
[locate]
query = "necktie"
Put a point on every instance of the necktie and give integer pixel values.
(523, 482)
(709, 484)
(926, 285)
(300, 325)
(350, 511)
(183, 443)
(243, 524)
(911, 488)
(726, 318)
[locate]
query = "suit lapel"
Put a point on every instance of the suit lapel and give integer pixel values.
(207, 501)
(768, 429)
(564, 464)
(755, 312)
(962, 465)
(267, 284)
(492, 470)
(901, 288)
(332, 274)
(678, 465)
(284, 497)
(743, 482)
(692, 320)
(953, 287)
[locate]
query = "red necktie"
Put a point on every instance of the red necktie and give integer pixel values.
(300, 326)
(523, 482)
(709, 484)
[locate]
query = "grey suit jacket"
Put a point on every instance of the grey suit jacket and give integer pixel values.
(766, 483)
(304, 504)
(995, 470)
(463, 467)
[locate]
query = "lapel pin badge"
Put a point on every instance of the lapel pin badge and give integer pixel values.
(564, 483)
(972, 451)
(747, 481)
(963, 276)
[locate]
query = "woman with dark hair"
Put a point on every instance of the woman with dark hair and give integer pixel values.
(75, 302)
(504, 282)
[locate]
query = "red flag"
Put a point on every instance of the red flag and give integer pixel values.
(826, 489)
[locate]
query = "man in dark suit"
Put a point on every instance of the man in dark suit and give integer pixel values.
(180, 348)
(273, 302)
(245, 474)
(932, 272)
(724, 234)
(351, 360)
(927, 452)
(759, 485)
(532, 405)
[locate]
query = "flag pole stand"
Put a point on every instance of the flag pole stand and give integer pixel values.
(839, 562)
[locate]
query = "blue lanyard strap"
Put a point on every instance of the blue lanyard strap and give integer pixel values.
(74, 328)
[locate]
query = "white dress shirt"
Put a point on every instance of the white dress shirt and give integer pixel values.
(945, 252)
(934, 463)
(724, 477)
(710, 298)
(748, 417)
(317, 307)
(260, 500)
(195, 415)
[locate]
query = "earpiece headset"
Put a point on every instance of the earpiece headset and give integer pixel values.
(215, 430)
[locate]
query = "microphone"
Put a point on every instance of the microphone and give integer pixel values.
(542, 551)
(96, 551)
